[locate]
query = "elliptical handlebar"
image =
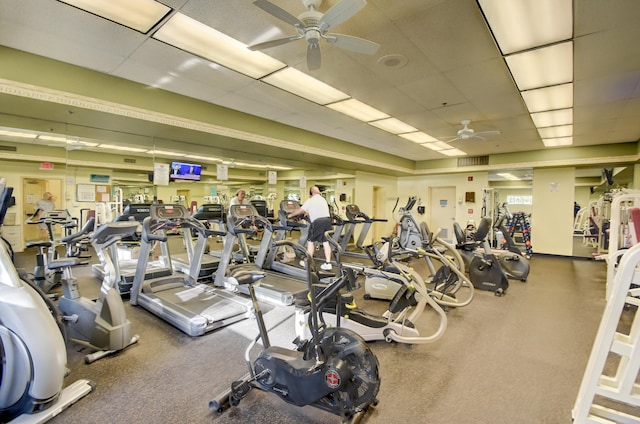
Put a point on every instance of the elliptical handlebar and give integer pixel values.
(82, 233)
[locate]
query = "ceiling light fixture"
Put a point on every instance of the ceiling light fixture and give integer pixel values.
(419, 137)
(195, 37)
(519, 25)
(358, 110)
(140, 15)
(165, 153)
(305, 86)
(556, 132)
(549, 98)
(122, 148)
(17, 134)
(542, 67)
(553, 118)
(555, 142)
(394, 126)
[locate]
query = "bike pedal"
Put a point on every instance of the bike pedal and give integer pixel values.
(240, 389)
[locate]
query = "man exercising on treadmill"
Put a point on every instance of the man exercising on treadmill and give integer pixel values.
(317, 208)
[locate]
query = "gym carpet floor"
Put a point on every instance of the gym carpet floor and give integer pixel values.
(518, 358)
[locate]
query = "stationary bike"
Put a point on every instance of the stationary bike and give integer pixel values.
(334, 370)
(101, 325)
(33, 354)
(43, 277)
(485, 271)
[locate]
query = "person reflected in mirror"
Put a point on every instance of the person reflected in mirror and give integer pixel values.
(46, 204)
(317, 209)
(239, 199)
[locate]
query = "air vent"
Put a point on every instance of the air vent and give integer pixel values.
(128, 160)
(9, 148)
(473, 161)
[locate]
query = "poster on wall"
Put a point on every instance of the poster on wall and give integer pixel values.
(303, 182)
(222, 172)
(273, 177)
(161, 174)
(86, 192)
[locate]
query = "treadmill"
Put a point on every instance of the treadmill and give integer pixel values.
(179, 299)
(270, 260)
(356, 217)
(207, 214)
(123, 252)
(274, 288)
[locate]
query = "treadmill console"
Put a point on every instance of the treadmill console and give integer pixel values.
(243, 211)
(164, 212)
(289, 206)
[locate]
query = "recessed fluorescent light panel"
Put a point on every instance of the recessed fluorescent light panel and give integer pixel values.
(393, 125)
(59, 138)
(165, 153)
(553, 118)
(437, 146)
(205, 158)
(508, 176)
(358, 110)
(452, 152)
(419, 137)
(122, 148)
(11, 133)
(195, 37)
(555, 132)
(519, 25)
(549, 98)
(555, 142)
(542, 67)
(140, 15)
(305, 86)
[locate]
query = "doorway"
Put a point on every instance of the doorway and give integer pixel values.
(33, 189)
(443, 211)
(380, 229)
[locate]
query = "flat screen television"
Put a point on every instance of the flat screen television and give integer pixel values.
(185, 171)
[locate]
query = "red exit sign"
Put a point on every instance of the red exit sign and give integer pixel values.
(46, 166)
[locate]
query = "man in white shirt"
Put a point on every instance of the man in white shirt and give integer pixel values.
(239, 199)
(317, 208)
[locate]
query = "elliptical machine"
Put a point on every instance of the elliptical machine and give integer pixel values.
(396, 324)
(101, 325)
(33, 354)
(334, 370)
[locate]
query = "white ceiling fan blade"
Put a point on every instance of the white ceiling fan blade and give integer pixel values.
(355, 44)
(340, 12)
(314, 58)
(450, 140)
(279, 13)
(487, 133)
(482, 135)
(274, 43)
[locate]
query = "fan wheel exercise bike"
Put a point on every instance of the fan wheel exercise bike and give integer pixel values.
(334, 370)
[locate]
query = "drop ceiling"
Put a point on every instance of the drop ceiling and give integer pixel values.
(437, 65)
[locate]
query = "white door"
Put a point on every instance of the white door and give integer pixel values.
(443, 211)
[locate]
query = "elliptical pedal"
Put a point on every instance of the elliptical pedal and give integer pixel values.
(239, 390)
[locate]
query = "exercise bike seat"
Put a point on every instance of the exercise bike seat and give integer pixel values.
(38, 243)
(65, 262)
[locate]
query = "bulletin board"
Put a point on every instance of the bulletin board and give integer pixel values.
(93, 193)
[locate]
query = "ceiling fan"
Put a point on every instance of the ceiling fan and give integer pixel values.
(313, 25)
(467, 133)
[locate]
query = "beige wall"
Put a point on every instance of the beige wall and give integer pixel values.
(552, 212)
